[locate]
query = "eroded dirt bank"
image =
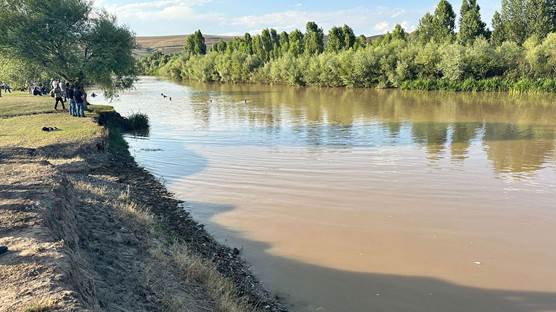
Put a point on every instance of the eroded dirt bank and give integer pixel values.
(87, 229)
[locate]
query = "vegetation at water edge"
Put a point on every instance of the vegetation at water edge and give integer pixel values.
(518, 54)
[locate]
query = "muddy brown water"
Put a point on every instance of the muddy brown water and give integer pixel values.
(366, 200)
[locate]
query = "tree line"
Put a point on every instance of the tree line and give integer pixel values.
(517, 54)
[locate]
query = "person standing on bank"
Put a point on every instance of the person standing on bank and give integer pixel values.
(69, 95)
(59, 96)
(79, 96)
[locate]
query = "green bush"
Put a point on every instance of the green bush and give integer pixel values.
(394, 62)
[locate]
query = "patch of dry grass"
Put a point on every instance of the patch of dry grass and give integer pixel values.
(202, 271)
(44, 305)
(171, 253)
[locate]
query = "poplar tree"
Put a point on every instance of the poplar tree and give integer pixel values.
(314, 39)
(284, 40)
(360, 42)
(514, 20)
(275, 43)
(296, 42)
(444, 21)
(399, 33)
(195, 44)
(267, 46)
(335, 41)
(539, 17)
(471, 25)
(498, 29)
(258, 47)
(349, 37)
(425, 30)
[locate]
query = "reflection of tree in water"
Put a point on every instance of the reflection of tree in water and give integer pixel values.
(394, 129)
(462, 135)
(432, 135)
(518, 148)
(318, 116)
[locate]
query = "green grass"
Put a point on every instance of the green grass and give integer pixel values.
(16, 104)
(26, 131)
(22, 118)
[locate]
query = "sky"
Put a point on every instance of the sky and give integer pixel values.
(229, 17)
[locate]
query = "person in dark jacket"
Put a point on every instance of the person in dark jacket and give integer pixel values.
(59, 97)
(69, 96)
(80, 97)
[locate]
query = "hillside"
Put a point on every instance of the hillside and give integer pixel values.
(170, 44)
(174, 44)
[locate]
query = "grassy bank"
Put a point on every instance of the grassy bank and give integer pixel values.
(88, 229)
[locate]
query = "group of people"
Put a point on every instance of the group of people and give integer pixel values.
(63, 93)
(6, 87)
(74, 93)
(38, 90)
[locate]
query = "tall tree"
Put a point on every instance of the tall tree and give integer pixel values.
(195, 44)
(539, 17)
(471, 25)
(349, 37)
(444, 21)
(296, 42)
(266, 40)
(68, 40)
(425, 30)
(275, 38)
(498, 29)
(314, 39)
(335, 41)
(258, 47)
(514, 20)
(465, 7)
(247, 44)
(399, 33)
(284, 40)
(360, 42)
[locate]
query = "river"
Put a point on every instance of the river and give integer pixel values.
(366, 200)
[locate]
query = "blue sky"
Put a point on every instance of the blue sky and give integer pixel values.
(227, 17)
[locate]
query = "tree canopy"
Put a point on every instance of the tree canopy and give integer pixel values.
(68, 40)
(195, 44)
(314, 39)
(471, 26)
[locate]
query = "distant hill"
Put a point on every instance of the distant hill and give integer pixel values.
(147, 45)
(170, 44)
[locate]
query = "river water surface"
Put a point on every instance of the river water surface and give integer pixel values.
(366, 200)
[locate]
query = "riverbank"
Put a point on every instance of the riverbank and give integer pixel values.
(87, 229)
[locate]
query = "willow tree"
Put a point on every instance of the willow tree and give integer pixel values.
(18, 73)
(69, 40)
